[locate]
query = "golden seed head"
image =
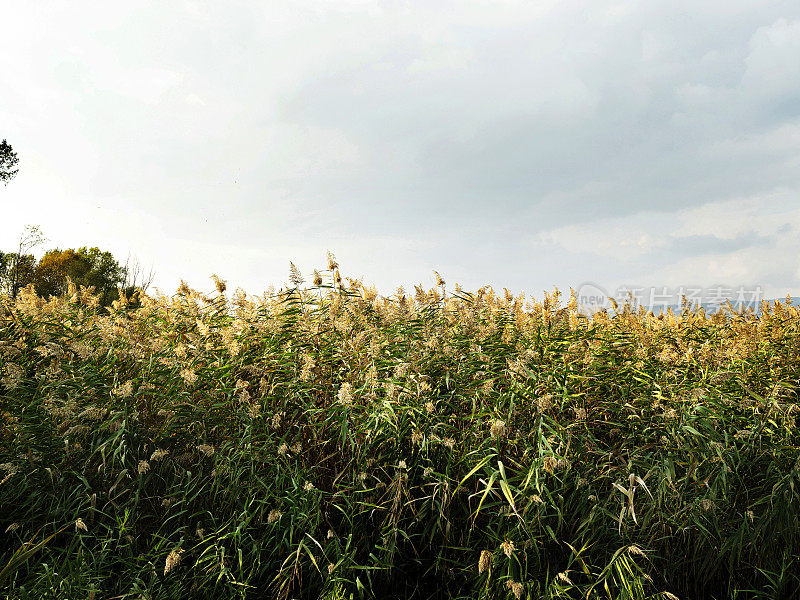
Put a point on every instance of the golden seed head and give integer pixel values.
(276, 420)
(516, 588)
(125, 390)
(707, 505)
(173, 559)
(635, 550)
(189, 376)
(332, 264)
(206, 450)
(485, 561)
(295, 277)
(220, 284)
(158, 454)
(345, 394)
(497, 429)
(544, 403)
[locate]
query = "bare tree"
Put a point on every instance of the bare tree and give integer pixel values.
(136, 276)
(20, 265)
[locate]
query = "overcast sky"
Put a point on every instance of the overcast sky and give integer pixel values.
(518, 144)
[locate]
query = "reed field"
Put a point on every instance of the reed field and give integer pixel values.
(328, 442)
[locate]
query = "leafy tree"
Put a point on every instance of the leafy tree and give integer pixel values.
(8, 160)
(19, 272)
(86, 266)
(104, 273)
(90, 267)
(54, 268)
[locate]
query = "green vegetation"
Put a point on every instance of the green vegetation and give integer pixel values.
(328, 442)
(88, 267)
(8, 160)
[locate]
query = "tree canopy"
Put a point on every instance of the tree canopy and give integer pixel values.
(90, 267)
(8, 160)
(86, 266)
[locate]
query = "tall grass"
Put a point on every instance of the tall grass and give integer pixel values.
(326, 442)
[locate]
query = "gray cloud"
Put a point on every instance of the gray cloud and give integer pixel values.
(454, 133)
(697, 245)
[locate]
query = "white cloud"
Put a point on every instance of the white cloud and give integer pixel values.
(521, 144)
(773, 63)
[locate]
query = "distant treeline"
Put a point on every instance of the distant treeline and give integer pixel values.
(84, 266)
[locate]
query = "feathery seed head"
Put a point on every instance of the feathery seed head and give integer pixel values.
(189, 376)
(219, 284)
(159, 454)
(516, 588)
(636, 550)
(345, 394)
(295, 277)
(173, 559)
(125, 390)
(497, 429)
(485, 561)
(332, 264)
(206, 450)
